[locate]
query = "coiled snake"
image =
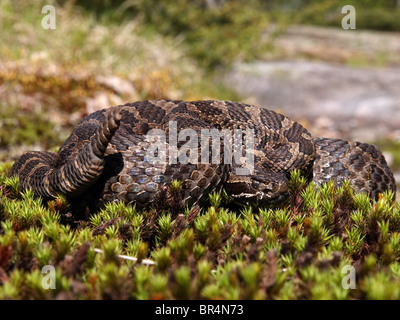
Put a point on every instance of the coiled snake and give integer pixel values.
(106, 158)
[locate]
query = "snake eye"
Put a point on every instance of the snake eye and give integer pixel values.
(255, 184)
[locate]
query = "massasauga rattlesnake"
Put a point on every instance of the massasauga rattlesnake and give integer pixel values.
(106, 158)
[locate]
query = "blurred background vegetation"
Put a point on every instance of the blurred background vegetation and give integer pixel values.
(202, 24)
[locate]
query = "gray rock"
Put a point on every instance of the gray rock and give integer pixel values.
(353, 103)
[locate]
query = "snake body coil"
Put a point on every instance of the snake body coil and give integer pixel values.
(106, 158)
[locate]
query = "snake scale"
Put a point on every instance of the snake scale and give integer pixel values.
(106, 158)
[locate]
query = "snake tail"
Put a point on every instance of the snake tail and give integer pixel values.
(38, 170)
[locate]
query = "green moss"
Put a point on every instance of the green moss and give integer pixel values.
(23, 128)
(275, 253)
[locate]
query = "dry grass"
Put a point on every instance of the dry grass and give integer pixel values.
(87, 63)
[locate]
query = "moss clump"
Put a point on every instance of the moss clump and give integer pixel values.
(24, 128)
(302, 250)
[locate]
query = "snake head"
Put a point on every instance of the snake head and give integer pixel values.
(261, 189)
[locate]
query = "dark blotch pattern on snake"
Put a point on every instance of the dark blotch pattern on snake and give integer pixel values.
(104, 159)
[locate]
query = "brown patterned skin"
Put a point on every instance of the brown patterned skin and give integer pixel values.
(104, 159)
(362, 164)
